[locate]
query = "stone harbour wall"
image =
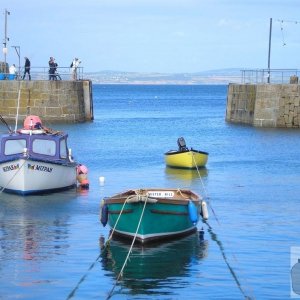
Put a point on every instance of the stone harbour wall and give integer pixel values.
(264, 105)
(53, 101)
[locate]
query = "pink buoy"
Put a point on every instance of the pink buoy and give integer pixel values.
(82, 169)
(82, 176)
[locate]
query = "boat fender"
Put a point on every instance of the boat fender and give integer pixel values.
(104, 215)
(204, 210)
(82, 176)
(193, 212)
(85, 184)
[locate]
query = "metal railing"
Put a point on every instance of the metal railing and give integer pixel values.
(274, 76)
(42, 73)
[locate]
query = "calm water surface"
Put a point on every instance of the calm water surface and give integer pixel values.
(50, 245)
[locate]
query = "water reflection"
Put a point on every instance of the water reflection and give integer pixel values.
(34, 227)
(186, 174)
(149, 266)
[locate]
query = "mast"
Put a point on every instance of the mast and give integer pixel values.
(269, 53)
(5, 35)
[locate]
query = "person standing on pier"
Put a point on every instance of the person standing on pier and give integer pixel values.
(56, 74)
(51, 68)
(74, 65)
(13, 71)
(27, 68)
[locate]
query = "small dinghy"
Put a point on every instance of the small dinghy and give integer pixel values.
(184, 158)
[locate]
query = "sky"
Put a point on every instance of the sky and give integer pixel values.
(165, 36)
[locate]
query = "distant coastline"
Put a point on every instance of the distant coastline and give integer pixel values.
(223, 76)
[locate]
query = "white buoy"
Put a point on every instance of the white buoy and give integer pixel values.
(101, 180)
(204, 210)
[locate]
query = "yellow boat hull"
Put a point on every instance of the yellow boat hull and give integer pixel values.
(190, 159)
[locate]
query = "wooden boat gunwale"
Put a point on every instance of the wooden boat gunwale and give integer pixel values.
(121, 197)
(173, 152)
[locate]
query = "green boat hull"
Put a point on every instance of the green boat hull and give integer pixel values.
(157, 221)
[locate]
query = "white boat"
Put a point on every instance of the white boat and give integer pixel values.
(36, 160)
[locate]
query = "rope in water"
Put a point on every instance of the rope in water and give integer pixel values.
(205, 192)
(72, 293)
(215, 238)
(129, 252)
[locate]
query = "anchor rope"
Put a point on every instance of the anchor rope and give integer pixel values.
(202, 183)
(113, 230)
(205, 192)
(129, 252)
(214, 237)
(72, 293)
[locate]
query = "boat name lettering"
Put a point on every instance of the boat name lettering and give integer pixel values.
(161, 194)
(40, 168)
(10, 168)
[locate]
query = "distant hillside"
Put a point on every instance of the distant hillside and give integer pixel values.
(223, 76)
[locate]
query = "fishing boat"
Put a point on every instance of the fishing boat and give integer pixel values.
(36, 160)
(153, 214)
(185, 158)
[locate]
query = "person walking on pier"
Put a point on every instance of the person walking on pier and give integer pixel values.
(27, 68)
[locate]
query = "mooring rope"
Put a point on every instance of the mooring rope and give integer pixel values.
(72, 293)
(129, 252)
(214, 237)
(5, 123)
(113, 230)
(202, 183)
(204, 189)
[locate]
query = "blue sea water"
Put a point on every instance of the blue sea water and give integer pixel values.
(50, 245)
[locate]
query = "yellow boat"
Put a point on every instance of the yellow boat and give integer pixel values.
(184, 158)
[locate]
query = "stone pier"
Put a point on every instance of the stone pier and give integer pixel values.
(264, 105)
(53, 101)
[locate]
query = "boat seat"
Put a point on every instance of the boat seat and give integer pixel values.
(181, 144)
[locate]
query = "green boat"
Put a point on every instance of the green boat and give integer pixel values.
(153, 214)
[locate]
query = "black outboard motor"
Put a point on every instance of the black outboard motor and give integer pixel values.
(181, 144)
